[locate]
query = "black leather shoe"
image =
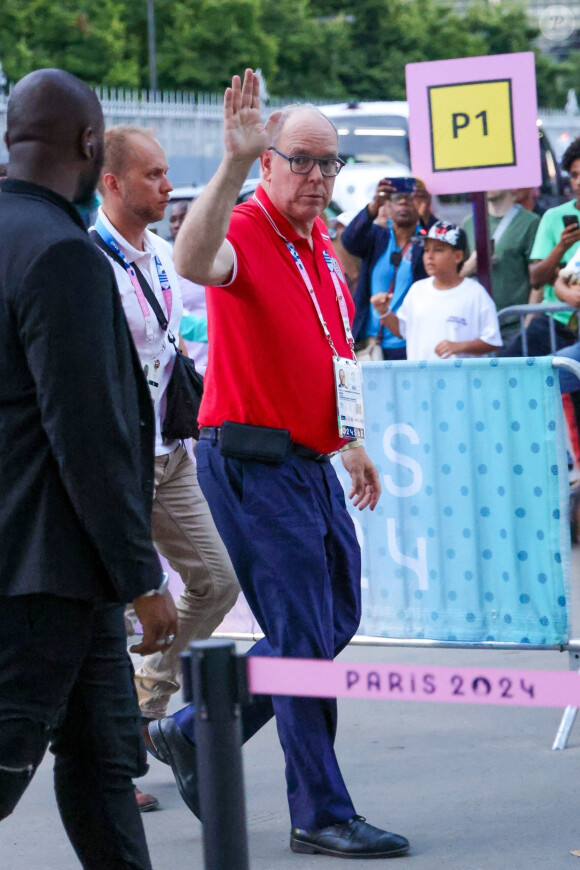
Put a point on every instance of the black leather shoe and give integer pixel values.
(354, 838)
(145, 723)
(173, 748)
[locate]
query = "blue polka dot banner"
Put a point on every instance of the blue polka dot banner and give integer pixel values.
(470, 541)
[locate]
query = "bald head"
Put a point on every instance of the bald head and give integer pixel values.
(51, 107)
(54, 133)
(297, 113)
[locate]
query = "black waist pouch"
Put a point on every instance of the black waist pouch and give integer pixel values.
(242, 441)
(184, 393)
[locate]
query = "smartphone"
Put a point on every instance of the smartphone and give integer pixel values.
(403, 185)
(571, 220)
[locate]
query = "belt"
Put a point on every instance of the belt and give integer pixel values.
(213, 433)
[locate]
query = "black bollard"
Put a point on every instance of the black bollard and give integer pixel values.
(217, 695)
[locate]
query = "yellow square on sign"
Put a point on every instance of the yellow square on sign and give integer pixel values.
(472, 125)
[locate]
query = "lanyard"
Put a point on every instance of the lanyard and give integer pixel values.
(396, 262)
(308, 284)
(339, 298)
(505, 222)
(161, 274)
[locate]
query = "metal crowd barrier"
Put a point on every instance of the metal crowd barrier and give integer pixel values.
(572, 646)
(219, 681)
(524, 311)
(215, 679)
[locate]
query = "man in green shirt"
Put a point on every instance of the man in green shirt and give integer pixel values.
(555, 244)
(512, 231)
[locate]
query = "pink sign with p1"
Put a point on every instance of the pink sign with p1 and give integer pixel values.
(473, 123)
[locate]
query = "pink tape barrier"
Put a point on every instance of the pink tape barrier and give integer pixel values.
(324, 679)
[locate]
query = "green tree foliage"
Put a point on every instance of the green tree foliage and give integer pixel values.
(553, 79)
(311, 53)
(86, 38)
(332, 49)
(387, 34)
(504, 28)
(206, 41)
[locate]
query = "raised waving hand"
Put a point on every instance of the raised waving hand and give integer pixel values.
(245, 134)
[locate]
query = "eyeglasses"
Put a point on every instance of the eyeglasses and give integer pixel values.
(400, 197)
(303, 164)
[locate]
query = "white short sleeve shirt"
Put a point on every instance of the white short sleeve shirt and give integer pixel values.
(464, 313)
(158, 348)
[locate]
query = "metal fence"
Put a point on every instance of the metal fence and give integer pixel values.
(189, 125)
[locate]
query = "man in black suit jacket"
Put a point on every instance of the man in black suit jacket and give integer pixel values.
(76, 484)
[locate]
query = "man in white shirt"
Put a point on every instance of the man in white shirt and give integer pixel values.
(135, 192)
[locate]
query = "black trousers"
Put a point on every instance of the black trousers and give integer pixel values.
(66, 681)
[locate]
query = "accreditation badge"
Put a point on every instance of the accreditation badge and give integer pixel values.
(349, 400)
(152, 372)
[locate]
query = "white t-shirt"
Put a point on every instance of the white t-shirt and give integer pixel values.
(464, 313)
(159, 348)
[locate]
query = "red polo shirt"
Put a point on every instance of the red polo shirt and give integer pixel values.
(269, 361)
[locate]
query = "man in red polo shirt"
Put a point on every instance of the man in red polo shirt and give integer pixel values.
(279, 315)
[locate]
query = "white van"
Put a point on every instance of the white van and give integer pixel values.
(372, 132)
(373, 141)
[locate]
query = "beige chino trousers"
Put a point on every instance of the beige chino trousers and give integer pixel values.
(184, 532)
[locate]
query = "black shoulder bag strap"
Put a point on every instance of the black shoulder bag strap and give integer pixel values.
(147, 291)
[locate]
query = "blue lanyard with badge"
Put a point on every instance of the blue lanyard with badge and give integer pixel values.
(347, 372)
(151, 367)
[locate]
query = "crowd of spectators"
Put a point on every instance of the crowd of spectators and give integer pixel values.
(382, 252)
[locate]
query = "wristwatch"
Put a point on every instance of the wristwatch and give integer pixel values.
(160, 589)
(351, 445)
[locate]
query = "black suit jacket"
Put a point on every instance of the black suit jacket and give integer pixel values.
(76, 420)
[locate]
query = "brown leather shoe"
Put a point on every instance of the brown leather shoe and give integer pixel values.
(146, 802)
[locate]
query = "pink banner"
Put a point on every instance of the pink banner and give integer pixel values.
(324, 679)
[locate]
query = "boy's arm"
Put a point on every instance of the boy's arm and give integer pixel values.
(391, 321)
(488, 332)
(381, 303)
(477, 347)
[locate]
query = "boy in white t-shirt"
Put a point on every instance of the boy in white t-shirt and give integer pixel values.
(443, 315)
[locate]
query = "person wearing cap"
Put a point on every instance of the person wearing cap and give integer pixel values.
(443, 315)
(391, 260)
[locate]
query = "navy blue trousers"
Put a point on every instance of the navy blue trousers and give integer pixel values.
(295, 552)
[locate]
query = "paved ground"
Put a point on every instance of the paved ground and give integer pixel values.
(473, 788)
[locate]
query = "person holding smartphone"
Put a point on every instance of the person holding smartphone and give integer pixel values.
(391, 260)
(557, 242)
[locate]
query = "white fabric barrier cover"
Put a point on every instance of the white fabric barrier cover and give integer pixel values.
(470, 541)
